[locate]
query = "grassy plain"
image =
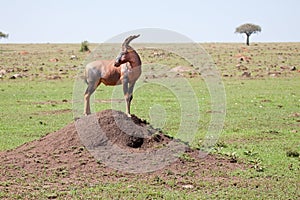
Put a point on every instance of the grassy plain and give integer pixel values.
(262, 125)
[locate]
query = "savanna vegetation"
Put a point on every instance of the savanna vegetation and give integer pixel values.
(256, 156)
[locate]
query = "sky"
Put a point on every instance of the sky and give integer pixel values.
(73, 21)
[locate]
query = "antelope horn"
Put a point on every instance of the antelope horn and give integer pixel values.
(125, 44)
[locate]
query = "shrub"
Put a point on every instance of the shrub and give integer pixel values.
(84, 46)
(292, 153)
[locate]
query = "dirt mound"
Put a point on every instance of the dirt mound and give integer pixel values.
(65, 149)
(127, 143)
(60, 161)
(131, 131)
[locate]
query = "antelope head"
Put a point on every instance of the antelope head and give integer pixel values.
(125, 55)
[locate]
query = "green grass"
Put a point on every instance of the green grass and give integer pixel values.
(33, 109)
(259, 130)
(262, 128)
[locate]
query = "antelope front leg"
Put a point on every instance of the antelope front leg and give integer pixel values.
(130, 96)
(126, 96)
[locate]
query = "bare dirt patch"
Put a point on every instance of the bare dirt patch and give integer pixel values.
(130, 132)
(54, 112)
(59, 160)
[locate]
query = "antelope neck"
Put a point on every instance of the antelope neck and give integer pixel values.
(136, 61)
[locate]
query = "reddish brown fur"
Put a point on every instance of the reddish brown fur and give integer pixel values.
(125, 70)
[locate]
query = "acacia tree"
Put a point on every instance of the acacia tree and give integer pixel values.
(3, 35)
(248, 29)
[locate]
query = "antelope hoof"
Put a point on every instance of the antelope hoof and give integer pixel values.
(128, 115)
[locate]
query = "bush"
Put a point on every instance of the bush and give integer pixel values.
(292, 153)
(84, 46)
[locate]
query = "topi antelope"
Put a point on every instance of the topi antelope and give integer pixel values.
(125, 70)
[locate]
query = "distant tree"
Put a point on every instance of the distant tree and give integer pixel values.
(84, 46)
(248, 29)
(3, 35)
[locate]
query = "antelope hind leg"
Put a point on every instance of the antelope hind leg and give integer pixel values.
(89, 91)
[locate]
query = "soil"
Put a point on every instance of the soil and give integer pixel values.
(61, 159)
(131, 132)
